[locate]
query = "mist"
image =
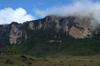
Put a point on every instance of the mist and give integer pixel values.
(77, 8)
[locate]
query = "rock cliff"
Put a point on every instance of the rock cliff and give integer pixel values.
(77, 27)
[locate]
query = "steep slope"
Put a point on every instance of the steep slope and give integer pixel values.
(77, 27)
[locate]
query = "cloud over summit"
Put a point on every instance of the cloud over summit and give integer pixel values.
(77, 8)
(19, 15)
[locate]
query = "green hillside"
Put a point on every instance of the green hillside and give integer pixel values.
(69, 45)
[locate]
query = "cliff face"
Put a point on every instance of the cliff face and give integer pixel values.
(77, 27)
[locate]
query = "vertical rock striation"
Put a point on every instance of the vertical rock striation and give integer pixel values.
(77, 27)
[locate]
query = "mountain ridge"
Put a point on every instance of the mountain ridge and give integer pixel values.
(77, 27)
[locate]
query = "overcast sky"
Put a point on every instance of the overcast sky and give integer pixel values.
(26, 10)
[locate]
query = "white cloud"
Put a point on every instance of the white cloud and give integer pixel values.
(77, 8)
(19, 15)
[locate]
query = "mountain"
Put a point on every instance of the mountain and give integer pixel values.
(77, 27)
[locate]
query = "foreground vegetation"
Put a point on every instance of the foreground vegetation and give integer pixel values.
(52, 60)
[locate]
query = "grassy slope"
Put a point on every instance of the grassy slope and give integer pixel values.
(52, 60)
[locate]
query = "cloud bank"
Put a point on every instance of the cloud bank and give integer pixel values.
(19, 15)
(77, 8)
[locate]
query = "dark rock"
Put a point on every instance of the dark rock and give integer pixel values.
(61, 61)
(23, 57)
(31, 59)
(23, 65)
(91, 60)
(98, 64)
(8, 61)
(29, 63)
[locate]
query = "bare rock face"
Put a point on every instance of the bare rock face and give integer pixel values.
(66, 28)
(85, 23)
(76, 33)
(39, 26)
(77, 27)
(15, 33)
(31, 25)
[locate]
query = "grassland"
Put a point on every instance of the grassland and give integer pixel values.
(52, 60)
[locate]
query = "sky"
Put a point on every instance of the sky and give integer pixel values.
(26, 10)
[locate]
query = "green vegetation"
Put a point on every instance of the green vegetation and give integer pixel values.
(8, 50)
(69, 45)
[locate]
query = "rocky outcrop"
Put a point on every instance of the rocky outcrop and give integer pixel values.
(31, 25)
(76, 33)
(14, 34)
(77, 27)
